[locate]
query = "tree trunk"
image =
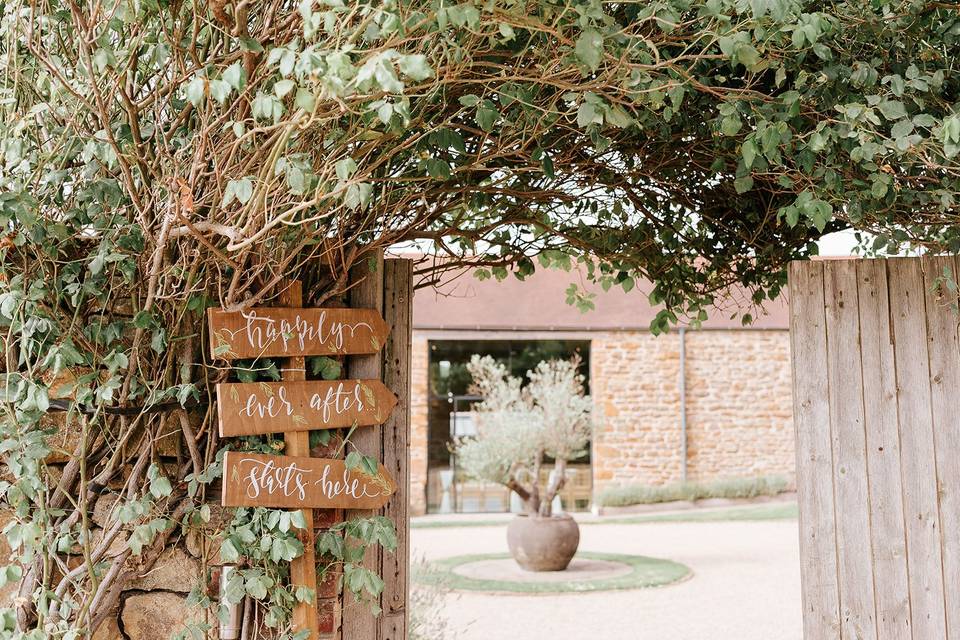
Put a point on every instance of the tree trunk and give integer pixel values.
(559, 479)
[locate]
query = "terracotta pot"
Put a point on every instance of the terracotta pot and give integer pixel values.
(543, 544)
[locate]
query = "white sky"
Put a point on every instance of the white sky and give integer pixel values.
(840, 243)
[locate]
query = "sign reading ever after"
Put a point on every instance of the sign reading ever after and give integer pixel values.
(288, 332)
(255, 480)
(280, 407)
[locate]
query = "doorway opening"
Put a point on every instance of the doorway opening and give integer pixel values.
(449, 490)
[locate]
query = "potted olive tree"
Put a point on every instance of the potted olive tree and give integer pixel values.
(518, 428)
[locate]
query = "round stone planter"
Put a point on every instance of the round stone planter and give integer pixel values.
(543, 544)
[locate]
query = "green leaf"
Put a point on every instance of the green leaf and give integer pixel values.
(228, 551)
(196, 90)
(546, 164)
(219, 90)
(304, 100)
(901, 128)
(416, 67)
(345, 167)
(235, 75)
(730, 125)
(250, 44)
(438, 169)
(385, 112)
(326, 368)
(353, 460)
(589, 49)
(283, 87)
(487, 116)
(587, 114)
(749, 152)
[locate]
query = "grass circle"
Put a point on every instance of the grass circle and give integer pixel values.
(644, 573)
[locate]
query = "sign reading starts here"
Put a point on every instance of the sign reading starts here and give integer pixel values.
(255, 480)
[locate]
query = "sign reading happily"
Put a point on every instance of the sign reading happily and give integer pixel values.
(282, 332)
(255, 480)
(280, 407)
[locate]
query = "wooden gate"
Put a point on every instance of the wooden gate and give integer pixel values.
(876, 371)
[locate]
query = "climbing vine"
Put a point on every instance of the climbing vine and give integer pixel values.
(163, 156)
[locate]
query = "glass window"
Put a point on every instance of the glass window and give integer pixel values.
(449, 414)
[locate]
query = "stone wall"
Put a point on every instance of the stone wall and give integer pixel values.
(739, 404)
(633, 380)
(419, 390)
(739, 407)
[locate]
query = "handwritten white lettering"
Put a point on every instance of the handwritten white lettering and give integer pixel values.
(267, 477)
(272, 407)
(347, 486)
(337, 400)
(262, 331)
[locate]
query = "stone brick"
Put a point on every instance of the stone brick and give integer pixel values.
(109, 629)
(419, 392)
(159, 614)
(327, 615)
(203, 539)
(328, 587)
(739, 406)
(174, 570)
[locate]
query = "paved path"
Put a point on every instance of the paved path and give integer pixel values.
(745, 586)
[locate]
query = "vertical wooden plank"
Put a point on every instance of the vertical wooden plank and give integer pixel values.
(887, 534)
(358, 622)
(943, 348)
(397, 311)
(303, 570)
(917, 455)
(851, 491)
(818, 551)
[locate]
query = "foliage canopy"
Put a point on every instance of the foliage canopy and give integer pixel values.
(160, 156)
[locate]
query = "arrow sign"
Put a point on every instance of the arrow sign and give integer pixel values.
(256, 480)
(281, 407)
(278, 331)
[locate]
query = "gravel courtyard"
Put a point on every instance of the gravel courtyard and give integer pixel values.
(745, 585)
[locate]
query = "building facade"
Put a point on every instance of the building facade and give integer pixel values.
(701, 405)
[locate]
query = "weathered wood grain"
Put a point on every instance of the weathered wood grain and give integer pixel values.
(282, 407)
(818, 545)
(944, 356)
(359, 623)
(397, 310)
(851, 492)
(290, 332)
(259, 480)
(887, 533)
(894, 367)
(917, 454)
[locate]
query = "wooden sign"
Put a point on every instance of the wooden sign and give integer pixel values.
(256, 480)
(276, 331)
(281, 407)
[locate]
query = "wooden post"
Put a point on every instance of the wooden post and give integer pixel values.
(387, 287)
(367, 293)
(303, 570)
(398, 312)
